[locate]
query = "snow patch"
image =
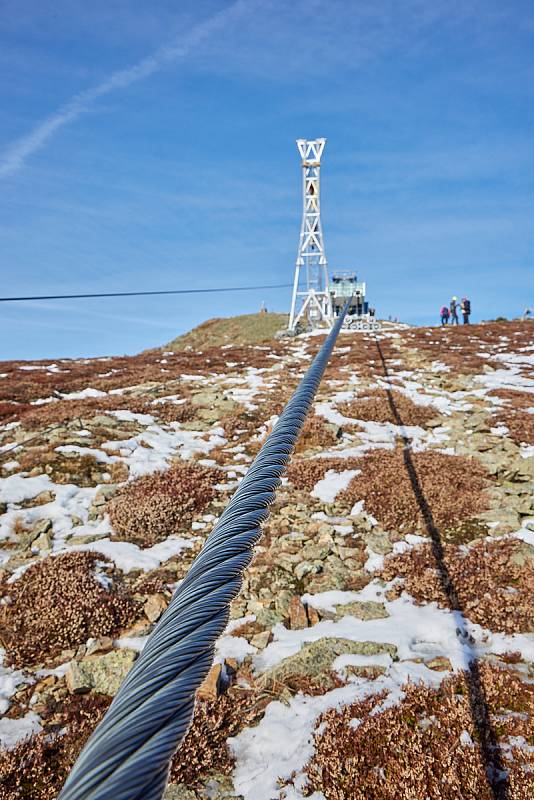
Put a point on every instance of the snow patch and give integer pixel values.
(128, 556)
(334, 482)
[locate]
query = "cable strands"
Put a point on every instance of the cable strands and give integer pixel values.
(128, 755)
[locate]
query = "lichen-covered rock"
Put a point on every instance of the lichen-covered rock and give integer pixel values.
(379, 541)
(314, 661)
(103, 674)
(367, 609)
(261, 640)
(439, 664)
(179, 791)
(522, 555)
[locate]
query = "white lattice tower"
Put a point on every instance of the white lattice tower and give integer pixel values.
(310, 288)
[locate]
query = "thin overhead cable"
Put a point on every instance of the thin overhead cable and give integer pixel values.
(144, 294)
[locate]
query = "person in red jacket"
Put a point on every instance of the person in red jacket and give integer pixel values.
(444, 315)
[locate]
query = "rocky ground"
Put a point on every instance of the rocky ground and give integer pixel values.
(382, 646)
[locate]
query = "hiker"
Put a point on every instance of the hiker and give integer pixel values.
(444, 315)
(454, 311)
(465, 306)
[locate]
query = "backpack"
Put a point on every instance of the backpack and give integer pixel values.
(444, 311)
(467, 306)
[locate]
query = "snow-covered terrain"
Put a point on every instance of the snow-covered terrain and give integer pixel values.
(398, 558)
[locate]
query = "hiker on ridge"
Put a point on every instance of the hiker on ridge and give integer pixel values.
(444, 315)
(465, 306)
(454, 311)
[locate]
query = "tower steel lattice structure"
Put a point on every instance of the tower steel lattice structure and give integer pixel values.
(311, 298)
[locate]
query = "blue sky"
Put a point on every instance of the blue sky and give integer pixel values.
(153, 146)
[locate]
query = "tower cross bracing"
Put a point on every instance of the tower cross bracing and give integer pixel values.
(310, 288)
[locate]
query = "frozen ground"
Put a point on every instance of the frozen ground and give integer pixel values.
(318, 626)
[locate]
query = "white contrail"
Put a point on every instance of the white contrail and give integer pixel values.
(15, 156)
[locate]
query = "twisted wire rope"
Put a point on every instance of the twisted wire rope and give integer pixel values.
(128, 755)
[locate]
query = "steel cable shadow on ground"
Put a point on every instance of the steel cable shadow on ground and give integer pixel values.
(490, 751)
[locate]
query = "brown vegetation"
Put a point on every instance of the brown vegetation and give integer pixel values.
(316, 433)
(414, 749)
(241, 421)
(48, 759)
(62, 468)
(22, 386)
(361, 359)
(376, 407)
(452, 487)
(37, 768)
(305, 472)
(515, 414)
(62, 412)
(493, 581)
(204, 751)
(520, 425)
(59, 603)
(244, 329)
(514, 398)
(152, 507)
(462, 348)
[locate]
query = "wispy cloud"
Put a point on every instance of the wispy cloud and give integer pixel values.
(15, 156)
(74, 312)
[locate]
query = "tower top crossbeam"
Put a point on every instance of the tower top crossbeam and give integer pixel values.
(311, 151)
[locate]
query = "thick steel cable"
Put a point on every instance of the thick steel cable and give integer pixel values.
(128, 755)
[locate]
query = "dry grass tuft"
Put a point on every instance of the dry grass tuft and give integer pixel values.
(22, 386)
(453, 488)
(62, 412)
(376, 407)
(63, 468)
(358, 354)
(513, 398)
(316, 433)
(492, 580)
(305, 472)
(59, 603)
(246, 329)
(154, 506)
(204, 750)
(241, 421)
(515, 414)
(463, 348)
(414, 749)
(520, 425)
(37, 768)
